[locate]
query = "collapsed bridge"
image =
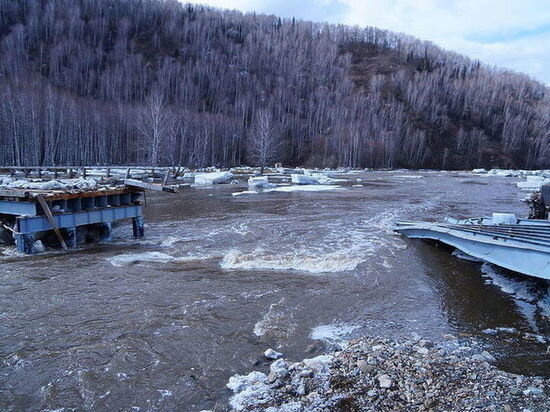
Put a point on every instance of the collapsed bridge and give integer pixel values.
(71, 209)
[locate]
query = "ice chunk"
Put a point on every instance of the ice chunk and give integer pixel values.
(38, 247)
(246, 192)
(504, 219)
(250, 390)
(304, 180)
(272, 354)
(305, 188)
(213, 178)
(260, 182)
(320, 363)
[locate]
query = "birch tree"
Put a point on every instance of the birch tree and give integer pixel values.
(156, 124)
(263, 144)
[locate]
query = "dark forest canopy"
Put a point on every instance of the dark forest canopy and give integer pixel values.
(86, 82)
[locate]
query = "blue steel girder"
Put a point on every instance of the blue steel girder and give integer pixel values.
(32, 224)
(8, 207)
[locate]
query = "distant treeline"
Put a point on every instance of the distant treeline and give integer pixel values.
(157, 82)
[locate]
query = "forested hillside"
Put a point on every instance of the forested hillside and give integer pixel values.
(159, 82)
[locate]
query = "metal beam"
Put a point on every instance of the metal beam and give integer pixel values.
(31, 224)
(8, 207)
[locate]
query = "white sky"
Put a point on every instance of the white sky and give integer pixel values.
(514, 34)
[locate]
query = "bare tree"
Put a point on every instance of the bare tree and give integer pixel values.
(111, 81)
(263, 144)
(156, 123)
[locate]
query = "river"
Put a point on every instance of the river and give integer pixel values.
(162, 323)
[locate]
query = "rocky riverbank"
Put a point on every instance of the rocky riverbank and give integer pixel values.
(377, 374)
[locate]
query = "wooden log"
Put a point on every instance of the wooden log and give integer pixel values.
(49, 215)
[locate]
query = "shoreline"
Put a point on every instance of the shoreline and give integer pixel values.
(373, 373)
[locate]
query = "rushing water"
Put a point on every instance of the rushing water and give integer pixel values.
(162, 323)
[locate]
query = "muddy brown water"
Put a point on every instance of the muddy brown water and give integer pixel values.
(162, 323)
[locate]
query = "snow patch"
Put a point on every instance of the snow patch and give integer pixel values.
(62, 184)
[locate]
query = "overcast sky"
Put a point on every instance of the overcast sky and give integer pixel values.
(508, 33)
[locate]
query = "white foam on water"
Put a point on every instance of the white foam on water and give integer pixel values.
(246, 192)
(134, 258)
(172, 240)
(241, 228)
(522, 290)
(278, 321)
(544, 304)
(333, 333)
(408, 176)
(259, 259)
(193, 258)
(164, 393)
(10, 251)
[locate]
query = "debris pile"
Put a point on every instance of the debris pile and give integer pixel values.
(61, 184)
(383, 374)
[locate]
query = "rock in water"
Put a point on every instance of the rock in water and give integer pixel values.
(272, 354)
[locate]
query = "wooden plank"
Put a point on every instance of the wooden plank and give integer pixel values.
(14, 193)
(166, 177)
(151, 186)
(32, 194)
(49, 215)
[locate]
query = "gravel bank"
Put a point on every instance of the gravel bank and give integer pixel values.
(376, 374)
